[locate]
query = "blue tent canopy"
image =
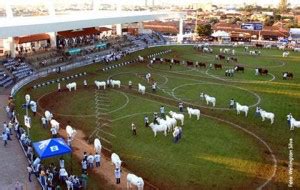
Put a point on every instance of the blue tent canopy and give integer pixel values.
(51, 148)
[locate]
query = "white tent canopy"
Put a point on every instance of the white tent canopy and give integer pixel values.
(220, 33)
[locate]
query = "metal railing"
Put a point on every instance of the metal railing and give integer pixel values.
(90, 60)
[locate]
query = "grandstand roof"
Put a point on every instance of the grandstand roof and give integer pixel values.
(19, 26)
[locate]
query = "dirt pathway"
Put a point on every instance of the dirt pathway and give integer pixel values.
(106, 170)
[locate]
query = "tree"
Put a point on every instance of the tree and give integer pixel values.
(213, 20)
(277, 17)
(269, 21)
(204, 30)
(283, 5)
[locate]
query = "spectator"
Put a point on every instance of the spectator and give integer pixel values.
(61, 162)
(133, 128)
(84, 156)
(85, 83)
(53, 132)
(4, 138)
(90, 160)
(97, 158)
(44, 122)
(231, 103)
(162, 111)
(63, 174)
(58, 87)
(180, 107)
(84, 179)
(29, 170)
(154, 87)
(84, 166)
(130, 84)
(7, 131)
(146, 120)
(118, 175)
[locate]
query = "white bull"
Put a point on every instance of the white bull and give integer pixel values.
(172, 121)
(71, 85)
(177, 116)
(268, 115)
(135, 180)
(208, 99)
(141, 89)
(54, 124)
(242, 108)
(159, 128)
(97, 145)
(115, 159)
(195, 112)
(115, 82)
(70, 131)
(48, 115)
(285, 54)
(294, 123)
(100, 84)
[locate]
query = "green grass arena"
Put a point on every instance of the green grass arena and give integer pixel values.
(222, 150)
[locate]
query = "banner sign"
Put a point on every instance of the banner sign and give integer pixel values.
(252, 26)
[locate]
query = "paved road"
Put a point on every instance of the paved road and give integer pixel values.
(12, 159)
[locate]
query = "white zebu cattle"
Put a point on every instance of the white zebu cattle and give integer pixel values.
(100, 84)
(294, 123)
(242, 108)
(97, 145)
(159, 128)
(281, 47)
(115, 82)
(165, 121)
(207, 50)
(71, 85)
(252, 53)
(135, 180)
(48, 115)
(115, 159)
(285, 54)
(268, 115)
(269, 46)
(141, 89)
(54, 124)
(195, 112)
(70, 131)
(297, 49)
(177, 116)
(226, 50)
(171, 120)
(208, 99)
(221, 50)
(141, 59)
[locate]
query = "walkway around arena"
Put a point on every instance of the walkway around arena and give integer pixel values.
(13, 163)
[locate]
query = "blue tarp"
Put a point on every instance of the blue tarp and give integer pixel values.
(51, 148)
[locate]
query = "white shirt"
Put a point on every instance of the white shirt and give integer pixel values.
(22, 137)
(53, 131)
(97, 157)
(90, 159)
(62, 163)
(63, 172)
(43, 120)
